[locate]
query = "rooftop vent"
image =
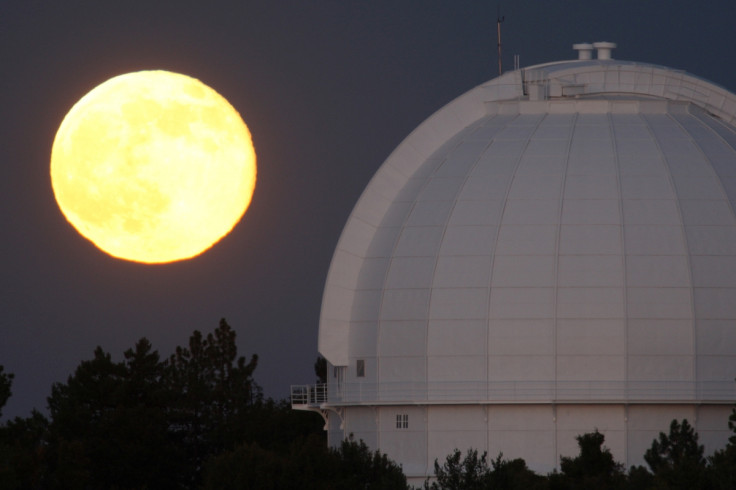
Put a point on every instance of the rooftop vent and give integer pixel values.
(604, 50)
(585, 51)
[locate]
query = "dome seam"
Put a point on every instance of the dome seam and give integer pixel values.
(683, 230)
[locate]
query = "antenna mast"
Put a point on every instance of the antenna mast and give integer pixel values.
(499, 19)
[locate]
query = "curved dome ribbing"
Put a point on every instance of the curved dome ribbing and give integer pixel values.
(563, 233)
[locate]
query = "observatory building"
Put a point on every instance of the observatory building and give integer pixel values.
(552, 252)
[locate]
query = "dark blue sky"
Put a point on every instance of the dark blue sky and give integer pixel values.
(328, 89)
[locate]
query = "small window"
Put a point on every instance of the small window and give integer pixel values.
(402, 420)
(360, 368)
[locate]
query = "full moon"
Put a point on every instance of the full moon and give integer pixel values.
(153, 167)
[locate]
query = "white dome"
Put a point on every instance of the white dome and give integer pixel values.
(563, 234)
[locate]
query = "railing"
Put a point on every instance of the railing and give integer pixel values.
(516, 392)
(312, 395)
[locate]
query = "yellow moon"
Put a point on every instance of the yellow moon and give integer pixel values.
(153, 167)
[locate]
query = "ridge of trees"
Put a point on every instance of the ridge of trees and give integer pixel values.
(198, 419)
(675, 461)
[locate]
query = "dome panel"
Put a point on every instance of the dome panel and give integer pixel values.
(476, 212)
(712, 240)
(532, 211)
(522, 303)
(457, 271)
(456, 337)
(481, 187)
(707, 212)
(663, 303)
(519, 338)
(468, 240)
(590, 303)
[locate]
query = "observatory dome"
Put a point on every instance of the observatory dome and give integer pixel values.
(552, 252)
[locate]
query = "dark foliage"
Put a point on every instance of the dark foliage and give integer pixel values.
(274, 425)
(676, 459)
(320, 369)
(722, 464)
(6, 381)
(639, 478)
(358, 467)
(515, 475)
(249, 466)
(458, 473)
(594, 467)
(472, 472)
(212, 392)
(722, 468)
(110, 426)
(23, 452)
(142, 422)
(308, 464)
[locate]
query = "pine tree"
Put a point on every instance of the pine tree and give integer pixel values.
(676, 459)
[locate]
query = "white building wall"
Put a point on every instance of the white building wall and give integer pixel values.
(524, 431)
(539, 434)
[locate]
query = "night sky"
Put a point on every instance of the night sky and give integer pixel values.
(327, 87)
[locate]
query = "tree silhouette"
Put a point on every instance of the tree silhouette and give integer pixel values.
(320, 369)
(308, 465)
(473, 472)
(144, 422)
(23, 451)
(6, 381)
(722, 464)
(676, 459)
(514, 475)
(109, 424)
(458, 473)
(594, 467)
(213, 391)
